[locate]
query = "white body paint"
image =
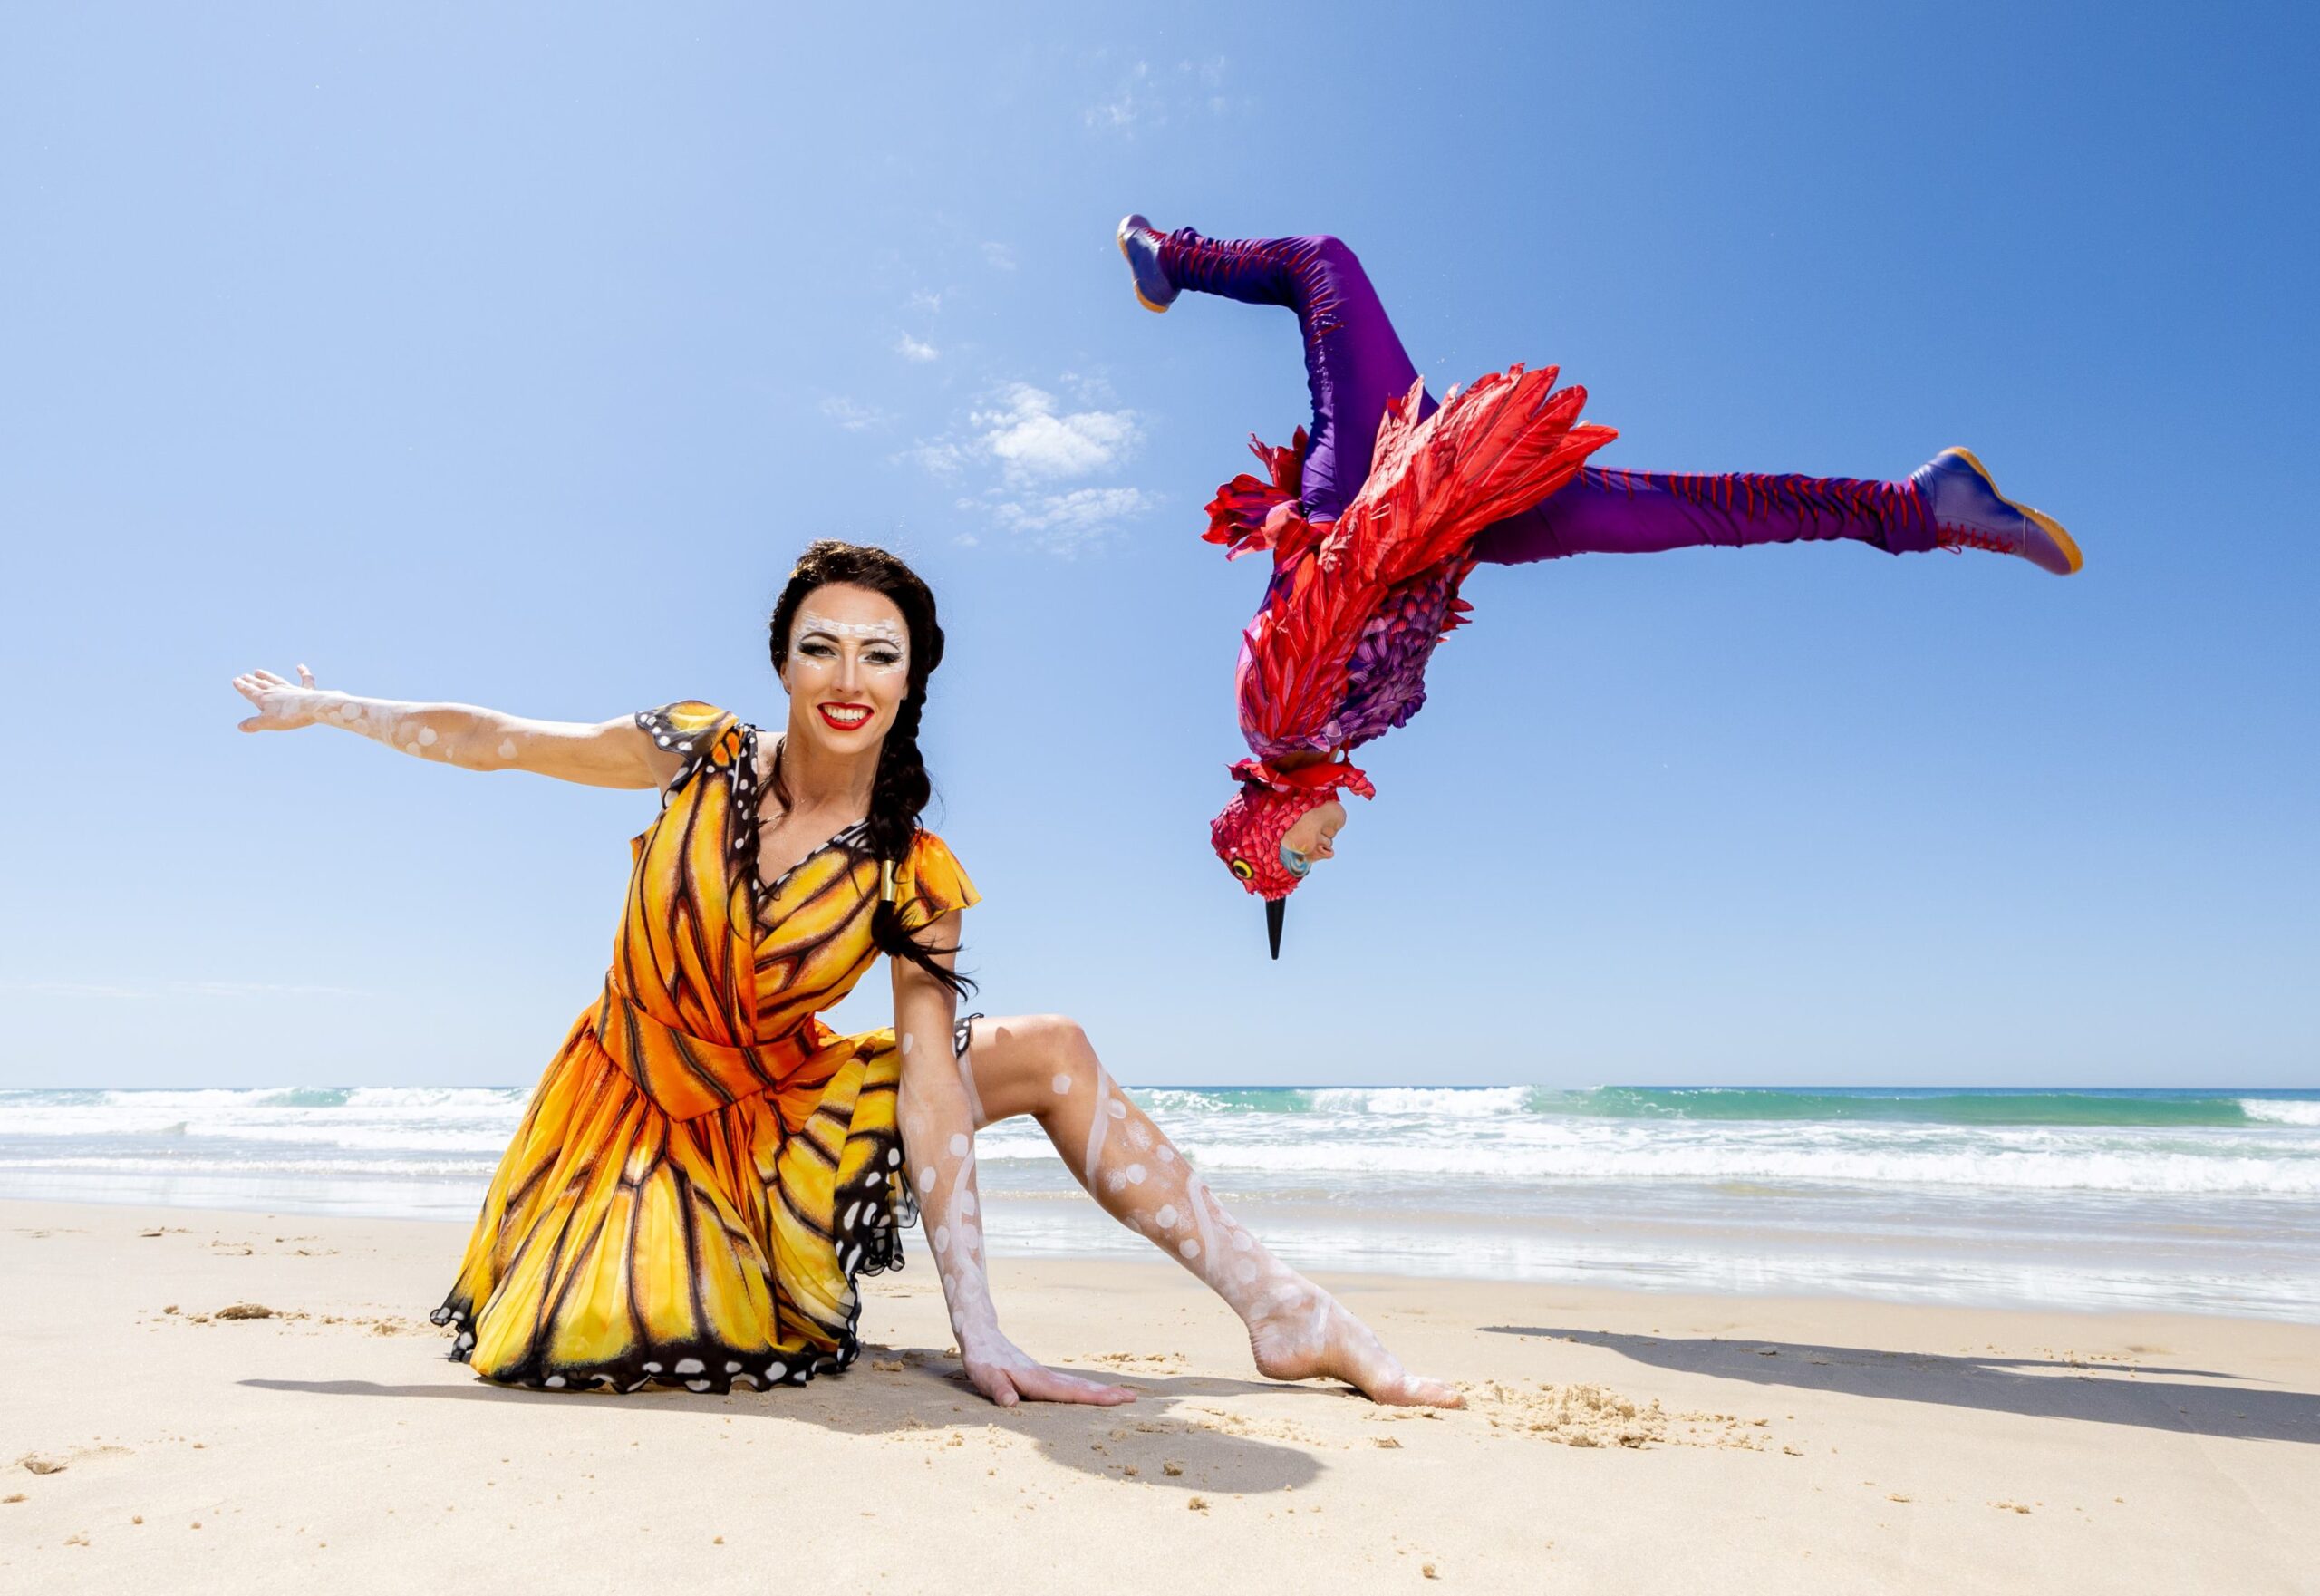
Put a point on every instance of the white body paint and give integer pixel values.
(867, 632)
(1294, 1326)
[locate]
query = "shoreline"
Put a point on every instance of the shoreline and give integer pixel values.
(1846, 1246)
(1615, 1440)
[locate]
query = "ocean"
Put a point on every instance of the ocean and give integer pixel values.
(2190, 1200)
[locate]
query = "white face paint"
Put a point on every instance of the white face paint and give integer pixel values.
(885, 647)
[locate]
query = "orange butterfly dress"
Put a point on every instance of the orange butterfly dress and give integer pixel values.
(706, 1169)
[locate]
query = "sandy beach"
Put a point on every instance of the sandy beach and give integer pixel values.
(1613, 1441)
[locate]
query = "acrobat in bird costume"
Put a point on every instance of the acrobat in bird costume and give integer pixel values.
(1375, 516)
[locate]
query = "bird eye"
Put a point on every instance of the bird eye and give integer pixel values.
(1244, 869)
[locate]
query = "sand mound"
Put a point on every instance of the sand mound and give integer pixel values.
(1576, 1415)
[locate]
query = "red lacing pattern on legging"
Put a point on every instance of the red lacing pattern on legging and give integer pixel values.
(1834, 503)
(1199, 265)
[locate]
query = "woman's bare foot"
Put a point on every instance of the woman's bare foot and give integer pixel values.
(1305, 1333)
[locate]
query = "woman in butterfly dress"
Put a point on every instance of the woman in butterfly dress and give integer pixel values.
(706, 1170)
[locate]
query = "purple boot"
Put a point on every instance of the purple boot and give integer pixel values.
(1969, 512)
(1140, 242)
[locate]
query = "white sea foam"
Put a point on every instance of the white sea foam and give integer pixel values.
(476, 1169)
(1425, 1102)
(2195, 1198)
(2281, 1111)
(1509, 1138)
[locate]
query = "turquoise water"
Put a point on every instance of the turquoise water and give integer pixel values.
(2204, 1198)
(1914, 1105)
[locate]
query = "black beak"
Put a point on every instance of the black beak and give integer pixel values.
(1276, 911)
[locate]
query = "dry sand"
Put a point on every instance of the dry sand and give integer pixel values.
(149, 1439)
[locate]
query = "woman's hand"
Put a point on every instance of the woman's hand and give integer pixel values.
(1003, 1372)
(612, 753)
(282, 706)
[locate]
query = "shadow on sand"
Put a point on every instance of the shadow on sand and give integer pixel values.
(2037, 1387)
(927, 1395)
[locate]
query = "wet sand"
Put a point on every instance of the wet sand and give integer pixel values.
(1614, 1441)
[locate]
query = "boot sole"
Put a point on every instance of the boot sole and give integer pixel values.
(1159, 310)
(2040, 518)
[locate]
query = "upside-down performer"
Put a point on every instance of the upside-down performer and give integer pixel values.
(1377, 514)
(705, 1169)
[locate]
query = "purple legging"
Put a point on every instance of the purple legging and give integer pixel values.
(1355, 364)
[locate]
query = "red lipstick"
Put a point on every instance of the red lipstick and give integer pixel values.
(825, 711)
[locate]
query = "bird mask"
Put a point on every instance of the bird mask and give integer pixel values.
(1247, 832)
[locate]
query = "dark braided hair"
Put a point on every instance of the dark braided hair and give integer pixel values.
(902, 787)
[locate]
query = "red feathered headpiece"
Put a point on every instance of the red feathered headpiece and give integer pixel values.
(1247, 832)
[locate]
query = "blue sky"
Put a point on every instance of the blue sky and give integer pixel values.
(509, 355)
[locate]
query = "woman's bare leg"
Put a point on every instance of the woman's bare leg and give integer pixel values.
(1043, 1066)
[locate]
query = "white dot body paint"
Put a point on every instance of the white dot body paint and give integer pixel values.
(1167, 1155)
(1116, 1109)
(958, 1146)
(1136, 1174)
(908, 1043)
(942, 1237)
(1139, 1137)
(1242, 1241)
(1098, 1125)
(1166, 1216)
(1188, 1247)
(1116, 1181)
(1245, 1269)
(426, 735)
(926, 1178)
(349, 712)
(1062, 1085)
(507, 748)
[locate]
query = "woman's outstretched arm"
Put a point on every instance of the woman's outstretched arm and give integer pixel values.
(938, 1140)
(611, 753)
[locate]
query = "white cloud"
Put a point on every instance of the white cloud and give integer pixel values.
(1129, 104)
(1082, 509)
(853, 417)
(1000, 257)
(941, 458)
(1087, 387)
(1016, 455)
(1064, 523)
(1145, 98)
(911, 348)
(1034, 440)
(927, 300)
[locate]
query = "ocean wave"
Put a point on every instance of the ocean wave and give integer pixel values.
(2154, 1110)
(2170, 1143)
(2153, 1173)
(1454, 1102)
(2282, 1110)
(478, 1170)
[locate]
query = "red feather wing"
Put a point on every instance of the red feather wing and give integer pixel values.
(1493, 451)
(1298, 647)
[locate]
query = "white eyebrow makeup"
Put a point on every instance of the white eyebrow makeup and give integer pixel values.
(884, 631)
